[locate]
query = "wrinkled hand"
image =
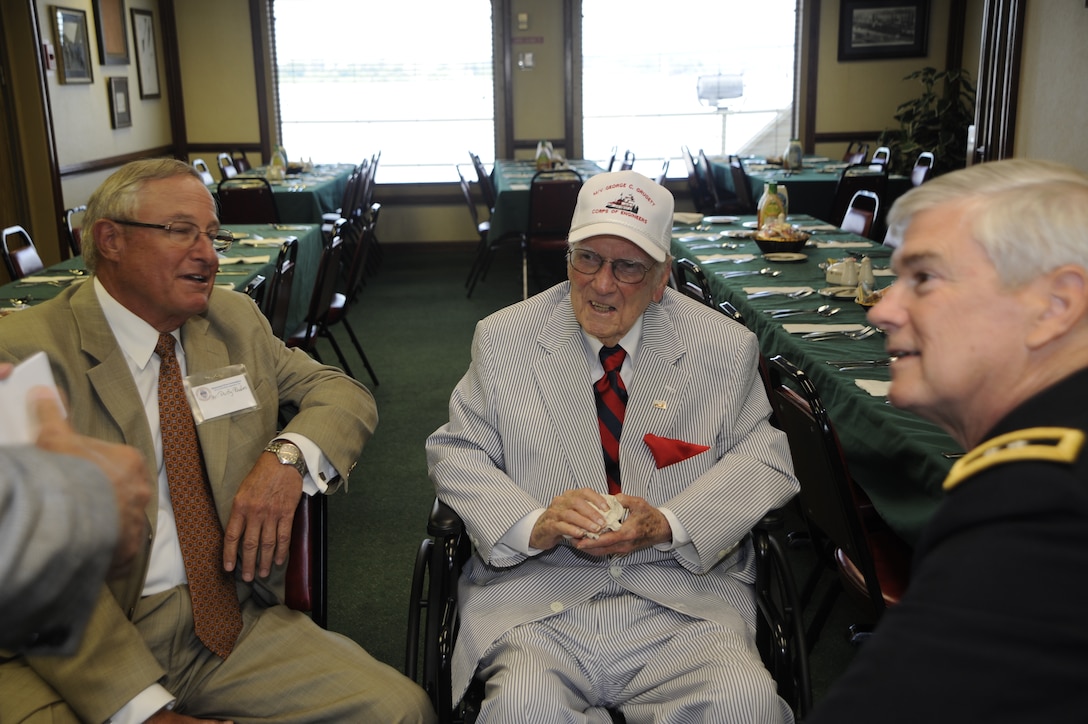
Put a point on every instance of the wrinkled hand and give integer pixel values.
(645, 526)
(261, 517)
(122, 465)
(165, 716)
(572, 514)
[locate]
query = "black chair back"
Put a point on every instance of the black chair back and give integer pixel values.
(74, 228)
(691, 280)
(861, 213)
(247, 200)
(552, 197)
(854, 178)
(20, 255)
(277, 298)
(227, 168)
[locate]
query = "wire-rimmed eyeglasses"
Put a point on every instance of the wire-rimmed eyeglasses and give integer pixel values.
(186, 233)
(627, 271)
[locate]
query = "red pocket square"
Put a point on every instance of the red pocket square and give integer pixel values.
(668, 451)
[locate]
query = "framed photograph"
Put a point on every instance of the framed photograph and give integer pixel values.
(120, 105)
(147, 61)
(73, 46)
(109, 16)
(873, 29)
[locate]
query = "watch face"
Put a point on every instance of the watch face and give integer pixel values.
(288, 454)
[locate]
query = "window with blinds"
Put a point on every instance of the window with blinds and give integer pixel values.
(710, 74)
(412, 80)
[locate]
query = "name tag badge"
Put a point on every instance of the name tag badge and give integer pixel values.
(225, 391)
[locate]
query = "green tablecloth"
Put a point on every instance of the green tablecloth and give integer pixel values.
(303, 199)
(811, 189)
(512, 179)
(233, 276)
(895, 456)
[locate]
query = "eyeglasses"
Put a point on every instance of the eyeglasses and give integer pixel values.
(186, 233)
(627, 271)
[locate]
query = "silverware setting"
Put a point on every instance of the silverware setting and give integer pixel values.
(796, 294)
(862, 333)
(723, 245)
(824, 310)
(765, 271)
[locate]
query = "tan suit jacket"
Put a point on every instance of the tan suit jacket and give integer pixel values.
(335, 411)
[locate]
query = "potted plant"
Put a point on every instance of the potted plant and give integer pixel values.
(935, 121)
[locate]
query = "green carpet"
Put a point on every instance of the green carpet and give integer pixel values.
(416, 326)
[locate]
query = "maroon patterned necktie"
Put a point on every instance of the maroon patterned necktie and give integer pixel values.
(611, 404)
(217, 617)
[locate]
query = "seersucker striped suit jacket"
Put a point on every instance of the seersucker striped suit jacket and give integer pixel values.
(523, 429)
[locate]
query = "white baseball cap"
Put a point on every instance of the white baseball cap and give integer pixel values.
(628, 205)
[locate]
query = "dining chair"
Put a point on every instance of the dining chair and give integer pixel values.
(483, 228)
(628, 162)
(854, 178)
(226, 166)
(247, 200)
(347, 209)
(923, 168)
(20, 255)
(205, 173)
(856, 152)
(255, 289)
(844, 529)
(861, 213)
(313, 326)
(699, 195)
(882, 156)
(306, 581)
(357, 246)
(552, 197)
(719, 204)
(611, 159)
(742, 186)
(241, 163)
(487, 186)
(276, 301)
(690, 280)
(74, 228)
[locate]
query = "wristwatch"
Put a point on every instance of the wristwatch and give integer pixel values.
(288, 454)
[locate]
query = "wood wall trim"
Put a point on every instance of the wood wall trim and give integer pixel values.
(810, 11)
(172, 60)
(102, 164)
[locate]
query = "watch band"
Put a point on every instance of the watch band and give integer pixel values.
(288, 454)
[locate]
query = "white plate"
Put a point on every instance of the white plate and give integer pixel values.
(720, 219)
(785, 256)
(750, 224)
(239, 235)
(839, 292)
(738, 233)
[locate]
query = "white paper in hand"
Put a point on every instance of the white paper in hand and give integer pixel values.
(15, 424)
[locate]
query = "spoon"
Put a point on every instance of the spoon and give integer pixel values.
(765, 271)
(824, 310)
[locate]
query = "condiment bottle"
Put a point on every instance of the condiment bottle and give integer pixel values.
(792, 158)
(865, 274)
(770, 205)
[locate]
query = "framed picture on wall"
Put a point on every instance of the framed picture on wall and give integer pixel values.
(147, 61)
(120, 104)
(874, 29)
(73, 46)
(109, 17)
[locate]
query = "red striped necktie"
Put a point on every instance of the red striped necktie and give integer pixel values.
(611, 403)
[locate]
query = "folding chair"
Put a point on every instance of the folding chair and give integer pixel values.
(552, 197)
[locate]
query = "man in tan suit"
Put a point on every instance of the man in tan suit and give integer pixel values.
(151, 245)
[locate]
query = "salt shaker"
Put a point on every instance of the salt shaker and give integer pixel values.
(865, 273)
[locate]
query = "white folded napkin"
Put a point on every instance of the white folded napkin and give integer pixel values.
(263, 259)
(225, 286)
(876, 388)
(818, 227)
(262, 242)
(738, 258)
(46, 278)
(682, 217)
(843, 245)
(613, 517)
(806, 328)
(519, 187)
(883, 273)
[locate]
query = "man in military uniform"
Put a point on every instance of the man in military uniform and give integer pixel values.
(988, 329)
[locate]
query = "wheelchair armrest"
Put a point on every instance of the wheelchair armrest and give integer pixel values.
(444, 521)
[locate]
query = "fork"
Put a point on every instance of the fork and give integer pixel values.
(796, 294)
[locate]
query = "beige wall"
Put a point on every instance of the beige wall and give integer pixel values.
(1053, 106)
